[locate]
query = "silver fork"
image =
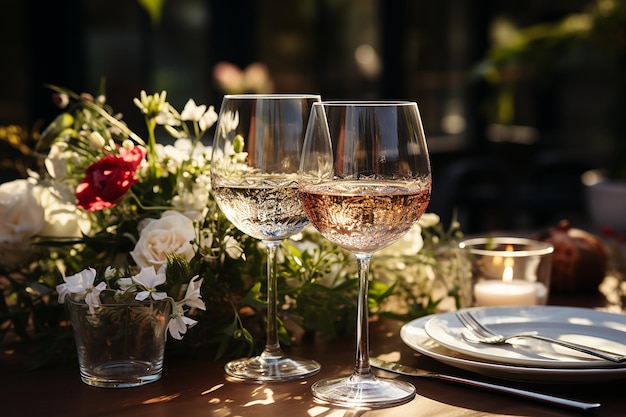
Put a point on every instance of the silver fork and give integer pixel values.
(486, 335)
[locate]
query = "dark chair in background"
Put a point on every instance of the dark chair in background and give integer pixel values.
(479, 189)
(492, 192)
(553, 190)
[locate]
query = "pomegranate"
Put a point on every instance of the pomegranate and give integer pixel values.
(579, 261)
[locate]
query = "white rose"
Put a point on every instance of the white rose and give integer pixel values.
(62, 219)
(171, 234)
(409, 244)
(21, 218)
(429, 220)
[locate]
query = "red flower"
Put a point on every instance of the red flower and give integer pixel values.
(107, 180)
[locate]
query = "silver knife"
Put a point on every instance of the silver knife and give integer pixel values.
(551, 399)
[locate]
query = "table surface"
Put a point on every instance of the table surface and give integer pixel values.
(197, 387)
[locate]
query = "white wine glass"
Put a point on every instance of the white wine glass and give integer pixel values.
(364, 181)
(256, 155)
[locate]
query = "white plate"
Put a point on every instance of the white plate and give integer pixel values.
(414, 336)
(589, 327)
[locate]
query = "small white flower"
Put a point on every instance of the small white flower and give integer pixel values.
(179, 323)
(109, 272)
(192, 112)
(96, 141)
(63, 292)
(80, 282)
(205, 238)
(92, 298)
(167, 119)
(177, 326)
(233, 248)
(151, 105)
(150, 279)
(125, 283)
(429, 220)
(128, 144)
(229, 122)
(192, 199)
(192, 295)
(208, 119)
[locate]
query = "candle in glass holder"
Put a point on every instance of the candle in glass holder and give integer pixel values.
(509, 271)
(508, 291)
(500, 293)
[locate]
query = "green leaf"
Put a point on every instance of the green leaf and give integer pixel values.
(254, 297)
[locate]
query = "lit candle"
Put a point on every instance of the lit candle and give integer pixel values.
(507, 292)
(504, 293)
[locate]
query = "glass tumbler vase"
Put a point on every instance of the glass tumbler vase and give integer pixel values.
(120, 345)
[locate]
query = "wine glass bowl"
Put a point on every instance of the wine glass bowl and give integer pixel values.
(256, 154)
(364, 181)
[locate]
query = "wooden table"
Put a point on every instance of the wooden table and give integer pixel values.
(197, 387)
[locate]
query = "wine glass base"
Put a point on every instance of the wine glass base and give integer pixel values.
(259, 369)
(365, 392)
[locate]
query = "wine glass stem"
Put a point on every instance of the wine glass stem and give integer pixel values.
(362, 325)
(272, 345)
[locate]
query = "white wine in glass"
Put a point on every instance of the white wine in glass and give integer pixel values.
(256, 155)
(364, 181)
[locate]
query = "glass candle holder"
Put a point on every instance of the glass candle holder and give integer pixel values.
(509, 271)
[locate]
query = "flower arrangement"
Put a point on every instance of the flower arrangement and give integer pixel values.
(114, 289)
(105, 215)
(426, 269)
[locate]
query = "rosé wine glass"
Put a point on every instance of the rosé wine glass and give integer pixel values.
(364, 181)
(256, 155)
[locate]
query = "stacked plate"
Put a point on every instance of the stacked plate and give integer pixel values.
(444, 338)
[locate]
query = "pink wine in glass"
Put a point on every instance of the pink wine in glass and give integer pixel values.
(364, 216)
